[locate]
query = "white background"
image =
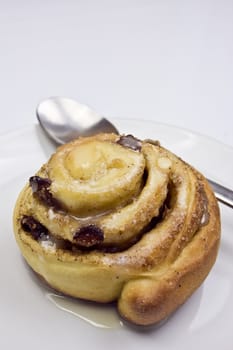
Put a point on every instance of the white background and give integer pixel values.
(170, 60)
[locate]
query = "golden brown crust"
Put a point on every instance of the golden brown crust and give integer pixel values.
(157, 247)
(149, 300)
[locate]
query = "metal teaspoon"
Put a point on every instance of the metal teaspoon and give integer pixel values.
(64, 119)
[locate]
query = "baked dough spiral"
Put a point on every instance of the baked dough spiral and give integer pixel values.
(113, 218)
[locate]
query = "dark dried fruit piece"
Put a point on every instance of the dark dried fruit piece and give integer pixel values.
(89, 236)
(131, 142)
(41, 189)
(38, 183)
(34, 227)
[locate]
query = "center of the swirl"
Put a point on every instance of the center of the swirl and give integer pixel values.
(97, 161)
(94, 176)
(93, 160)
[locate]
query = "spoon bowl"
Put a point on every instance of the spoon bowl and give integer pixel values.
(64, 119)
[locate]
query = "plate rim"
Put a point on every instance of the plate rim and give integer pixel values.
(163, 124)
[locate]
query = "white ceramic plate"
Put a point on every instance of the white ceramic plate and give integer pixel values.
(33, 317)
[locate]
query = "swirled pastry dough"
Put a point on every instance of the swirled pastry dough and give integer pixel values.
(112, 218)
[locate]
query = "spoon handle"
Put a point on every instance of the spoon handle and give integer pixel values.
(223, 194)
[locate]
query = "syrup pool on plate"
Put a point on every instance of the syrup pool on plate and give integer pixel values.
(97, 315)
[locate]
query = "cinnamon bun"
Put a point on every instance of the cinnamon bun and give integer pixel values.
(113, 218)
